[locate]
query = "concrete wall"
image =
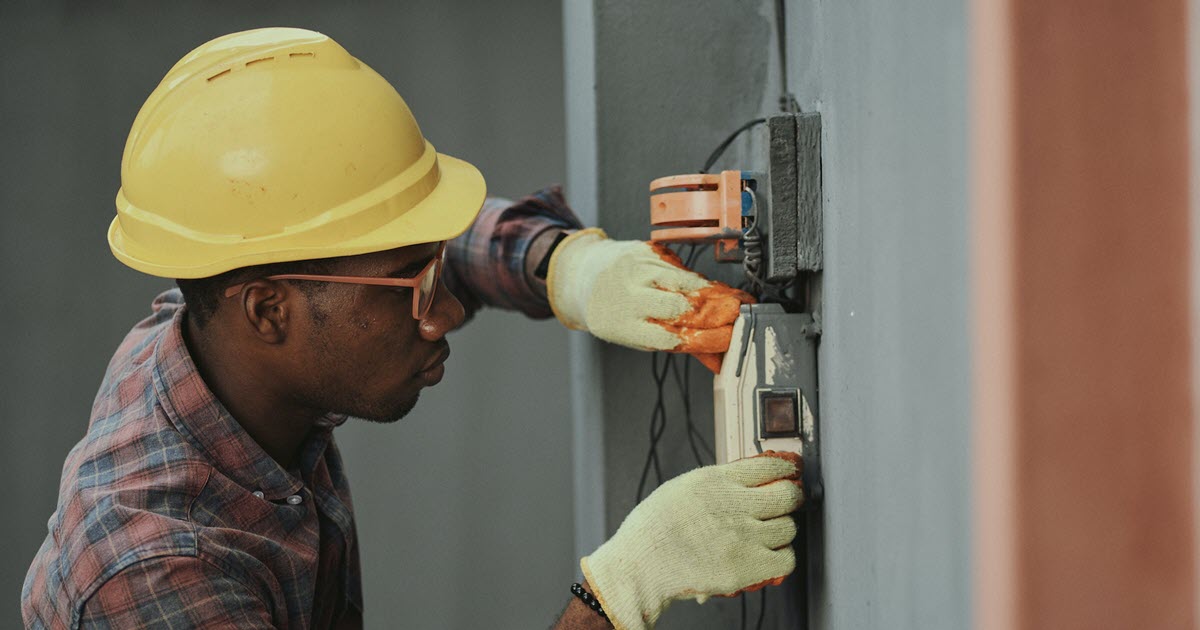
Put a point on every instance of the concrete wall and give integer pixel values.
(464, 508)
(671, 80)
(890, 81)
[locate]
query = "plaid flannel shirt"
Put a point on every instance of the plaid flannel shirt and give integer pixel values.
(486, 265)
(170, 515)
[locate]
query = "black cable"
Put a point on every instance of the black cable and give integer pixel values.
(658, 424)
(787, 102)
(762, 608)
(742, 598)
(684, 392)
(684, 383)
(658, 414)
(752, 259)
(695, 439)
(716, 154)
(755, 281)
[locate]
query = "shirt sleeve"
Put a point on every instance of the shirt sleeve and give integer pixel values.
(174, 592)
(485, 266)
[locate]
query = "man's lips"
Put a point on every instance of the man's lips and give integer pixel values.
(437, 359)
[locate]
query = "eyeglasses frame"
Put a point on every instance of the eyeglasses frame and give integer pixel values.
(414, 282)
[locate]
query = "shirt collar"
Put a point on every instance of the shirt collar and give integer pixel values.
(197, 414)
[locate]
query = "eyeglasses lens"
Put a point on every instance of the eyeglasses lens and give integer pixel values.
(428, 288)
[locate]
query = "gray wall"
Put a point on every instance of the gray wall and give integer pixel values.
(465, 507)
(889, 79)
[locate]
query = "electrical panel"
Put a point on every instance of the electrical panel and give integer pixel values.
(766, 395)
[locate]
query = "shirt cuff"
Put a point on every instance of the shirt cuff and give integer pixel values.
(486, 266)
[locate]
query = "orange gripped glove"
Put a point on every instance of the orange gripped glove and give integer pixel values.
(640, 295)
(706, 329)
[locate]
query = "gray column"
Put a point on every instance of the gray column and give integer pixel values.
(671, 80)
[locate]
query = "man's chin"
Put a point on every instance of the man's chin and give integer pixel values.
(382, 416)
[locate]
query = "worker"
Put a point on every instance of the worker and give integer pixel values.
(323, 250)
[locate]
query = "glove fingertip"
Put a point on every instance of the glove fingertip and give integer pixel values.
(762, 469)
(704, 340)
(710, 360)
(667, 254)
(793, 458)
(776, 499)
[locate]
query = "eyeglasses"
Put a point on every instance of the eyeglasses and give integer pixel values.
(424, 284)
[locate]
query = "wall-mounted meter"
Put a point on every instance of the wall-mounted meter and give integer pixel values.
(765, 397)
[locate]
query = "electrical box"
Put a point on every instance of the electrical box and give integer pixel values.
(765, 396)
(768, 221)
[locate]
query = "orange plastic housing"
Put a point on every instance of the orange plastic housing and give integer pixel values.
(699, 208)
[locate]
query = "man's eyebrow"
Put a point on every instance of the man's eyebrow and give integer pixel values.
(410, 269)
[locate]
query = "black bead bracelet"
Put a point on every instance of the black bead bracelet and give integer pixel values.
(587, 598)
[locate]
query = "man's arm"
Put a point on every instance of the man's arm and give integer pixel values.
(533, 256)
(493, 262)
(174, 592)
(578, 616)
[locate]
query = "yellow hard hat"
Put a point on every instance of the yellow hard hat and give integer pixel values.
(275, 145)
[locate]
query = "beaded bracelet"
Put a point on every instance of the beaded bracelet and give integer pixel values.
(592, 602)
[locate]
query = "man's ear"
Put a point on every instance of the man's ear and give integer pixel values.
(267, 306)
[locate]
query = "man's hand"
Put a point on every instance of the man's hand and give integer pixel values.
(717, 530)
(640, 295)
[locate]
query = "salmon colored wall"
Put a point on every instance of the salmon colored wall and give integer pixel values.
(1082, 312)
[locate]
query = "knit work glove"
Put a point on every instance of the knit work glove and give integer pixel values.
(640, 295)
(717, 530)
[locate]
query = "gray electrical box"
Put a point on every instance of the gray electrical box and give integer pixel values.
(792, 184)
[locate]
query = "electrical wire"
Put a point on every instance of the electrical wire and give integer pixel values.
(696, 439)
(658, 414)
(753, 254)
(787, 102)
(752, 257)
(658, 424)
(717, 152)
(684, 382)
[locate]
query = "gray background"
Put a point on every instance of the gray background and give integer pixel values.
(890, 82)
(464, 508)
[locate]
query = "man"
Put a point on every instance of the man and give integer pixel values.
(323, 250)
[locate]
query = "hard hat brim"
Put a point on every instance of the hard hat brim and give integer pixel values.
(448, 210)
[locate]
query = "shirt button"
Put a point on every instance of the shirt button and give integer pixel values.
(294, 499)
(259, 494)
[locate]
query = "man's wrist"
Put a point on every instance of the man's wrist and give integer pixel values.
(578, 616)
(537, 258)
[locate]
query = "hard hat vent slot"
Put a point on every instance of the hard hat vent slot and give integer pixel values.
(308, 55)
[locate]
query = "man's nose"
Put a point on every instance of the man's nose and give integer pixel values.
(445, 314)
